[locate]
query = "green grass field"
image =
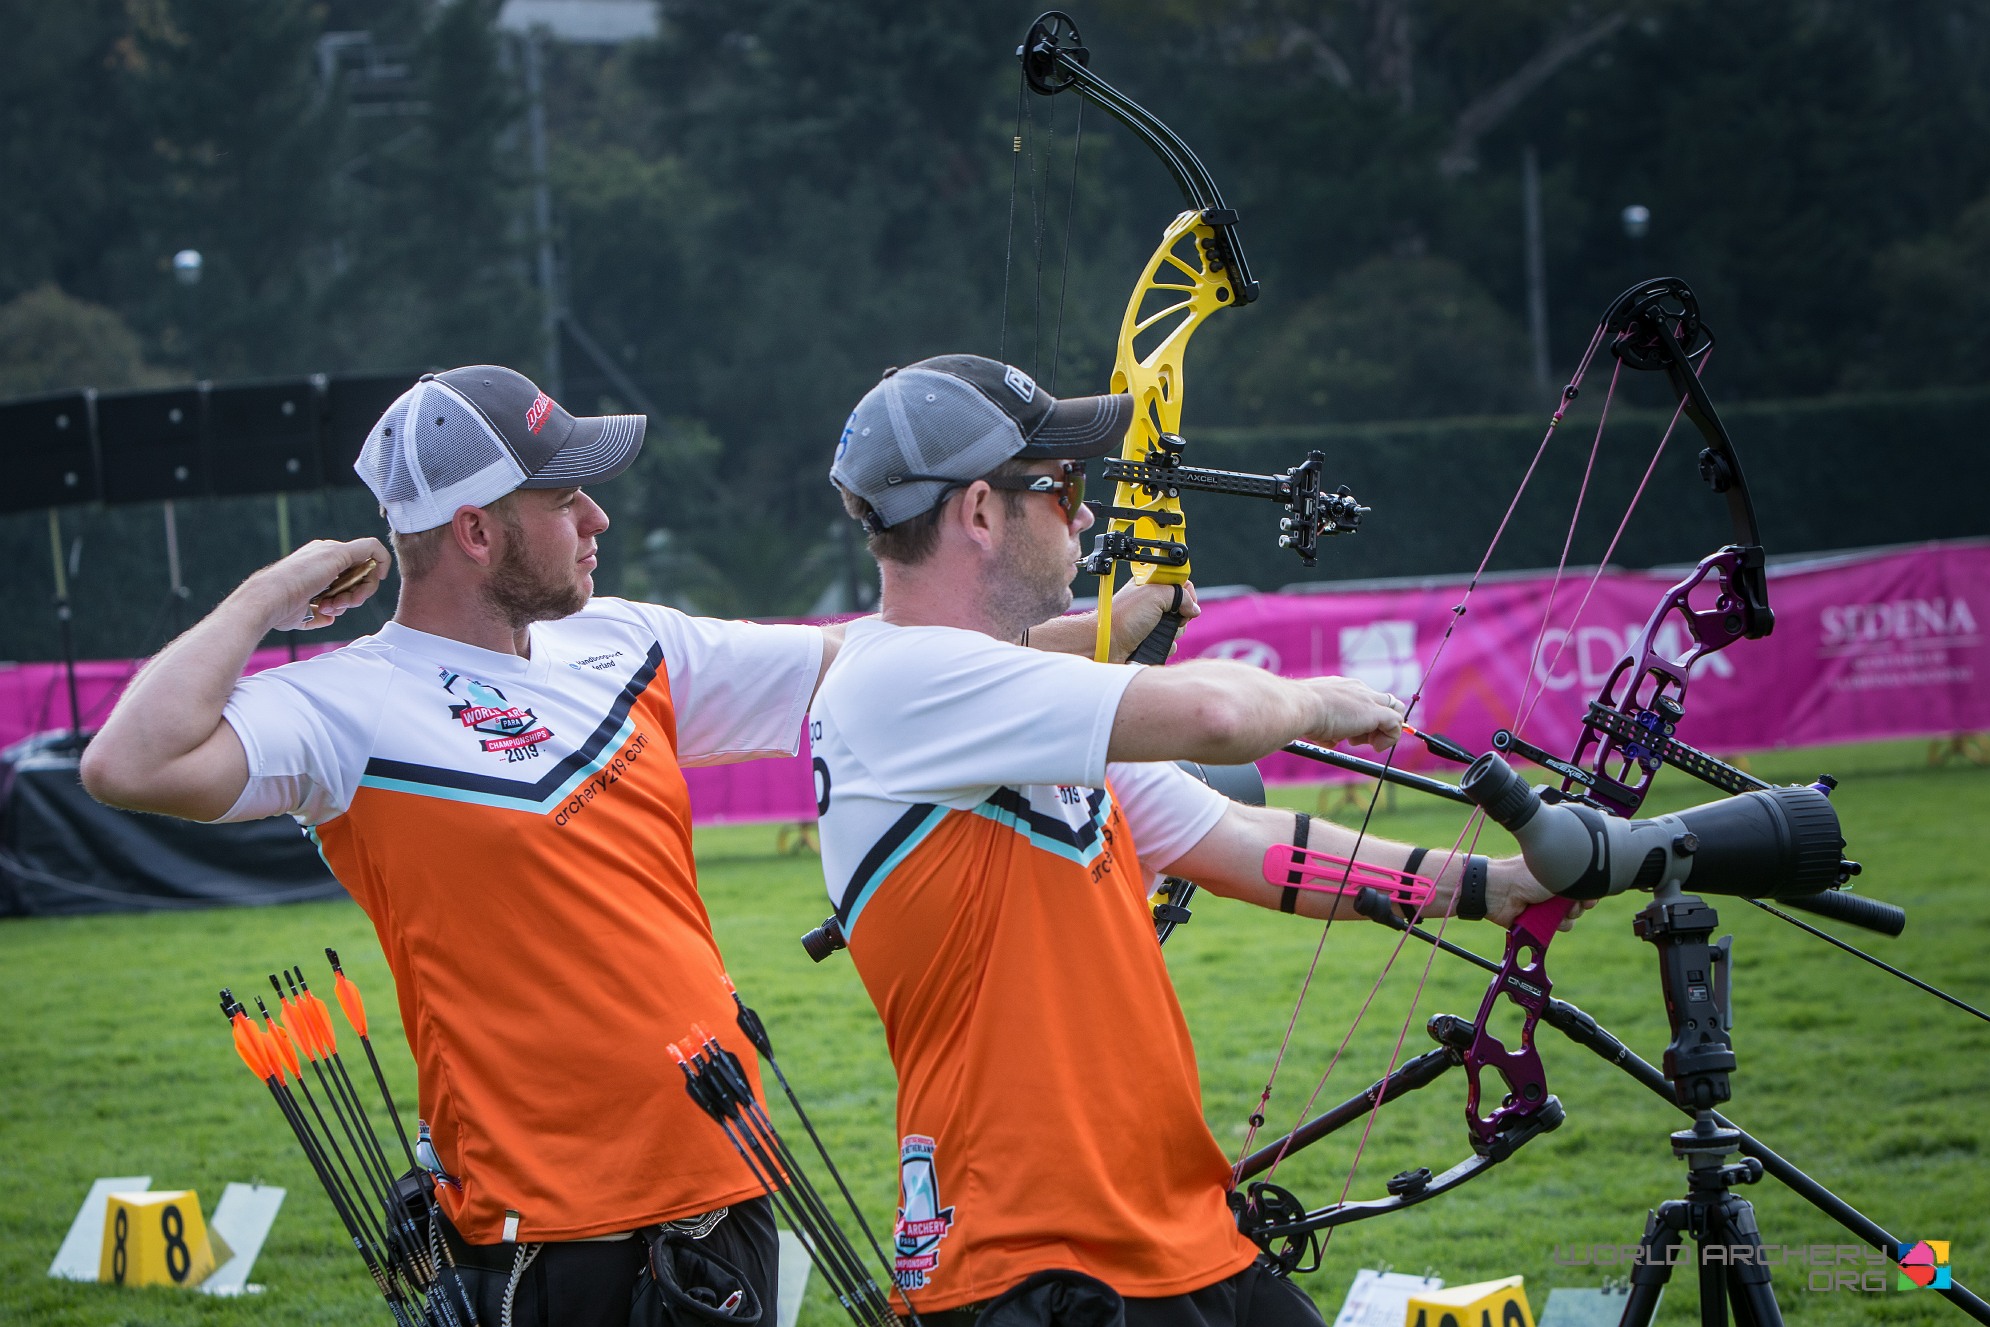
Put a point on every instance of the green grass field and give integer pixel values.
(115, 1061)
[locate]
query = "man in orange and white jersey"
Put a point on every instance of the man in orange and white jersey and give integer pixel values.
(496, 776)
(993, 818)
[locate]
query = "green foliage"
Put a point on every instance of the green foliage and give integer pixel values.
(49, 340)
(1936, 310)
(1400, 337)
(763, 208)
(118, 1063)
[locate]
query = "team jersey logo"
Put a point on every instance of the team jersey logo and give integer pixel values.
(507, 727)
(922, 1222)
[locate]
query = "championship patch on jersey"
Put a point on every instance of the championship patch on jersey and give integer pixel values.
(922, 1222)
(507, 727)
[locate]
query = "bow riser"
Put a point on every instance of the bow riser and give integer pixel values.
(1173, 298)
(1617, 761)
(1522, 978)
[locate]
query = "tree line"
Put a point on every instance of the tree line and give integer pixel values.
(759, 210)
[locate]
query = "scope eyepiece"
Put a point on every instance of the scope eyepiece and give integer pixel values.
(1507, 798)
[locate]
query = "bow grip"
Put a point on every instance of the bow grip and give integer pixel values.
(1160, 642)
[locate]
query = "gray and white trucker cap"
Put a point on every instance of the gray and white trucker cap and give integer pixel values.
(467, 437)
(949, 420)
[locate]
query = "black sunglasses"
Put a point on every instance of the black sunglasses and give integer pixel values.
(1069, 491)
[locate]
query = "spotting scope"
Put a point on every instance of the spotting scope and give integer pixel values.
(1779, 843)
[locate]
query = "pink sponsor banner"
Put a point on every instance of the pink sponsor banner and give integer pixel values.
(34, 697)
(1866, 646)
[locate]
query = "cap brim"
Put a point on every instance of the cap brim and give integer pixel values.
(601, 447)
(1080, 426)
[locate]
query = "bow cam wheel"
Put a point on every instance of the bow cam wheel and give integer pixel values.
(1052, 39)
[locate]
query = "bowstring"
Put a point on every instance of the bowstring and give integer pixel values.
(1472, 824)
(1024, 142)
(1009, 235)
(1036, 240)
(1475, 824)
(1064, 259)
(1521, 716)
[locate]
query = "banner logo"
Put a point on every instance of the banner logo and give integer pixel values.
(1383, 655)
(1244, 650)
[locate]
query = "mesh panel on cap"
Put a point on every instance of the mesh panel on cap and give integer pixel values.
(383, 463)
(955, 430)
(422, 470)
(451, 443)
(897, 430)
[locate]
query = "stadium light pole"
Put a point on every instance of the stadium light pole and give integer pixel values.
(187, 268)
(542, 206)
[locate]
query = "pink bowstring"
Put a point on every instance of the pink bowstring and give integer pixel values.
(1526, 709)
(1471, 829)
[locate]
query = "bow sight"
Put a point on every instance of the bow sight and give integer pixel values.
(1310, 511)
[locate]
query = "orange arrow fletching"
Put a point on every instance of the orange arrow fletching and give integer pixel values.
(348, 996)
(266, 1047)
(246, 1047)
(323, 1014)
(300, 1022)
(286, 1049)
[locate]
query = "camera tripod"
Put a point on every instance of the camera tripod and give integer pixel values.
(1699, 1059)
(1695, 1080)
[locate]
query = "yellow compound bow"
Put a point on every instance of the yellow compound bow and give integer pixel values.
(1198, 268)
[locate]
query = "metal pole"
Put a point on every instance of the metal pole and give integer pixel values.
(282, 552)
(175, 588)
(542, 213)
(1537, 281)
(62, 622)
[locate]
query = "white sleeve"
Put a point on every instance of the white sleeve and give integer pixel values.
(1167, 808)
(302, 761)
(942, 715)
(740, 689)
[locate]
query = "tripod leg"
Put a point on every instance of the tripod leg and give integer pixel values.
(1748, 1283)
(1713, 1287)
(1654, 1265)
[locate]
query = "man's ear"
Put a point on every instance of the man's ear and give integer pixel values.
(975, 514)
(478, 533)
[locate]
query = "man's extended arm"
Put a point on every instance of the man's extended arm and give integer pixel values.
(165, 747)
(1135, 611)
(1225, 713)
(1229, 860)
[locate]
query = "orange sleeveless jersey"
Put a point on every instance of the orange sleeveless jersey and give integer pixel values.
(541, 915)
